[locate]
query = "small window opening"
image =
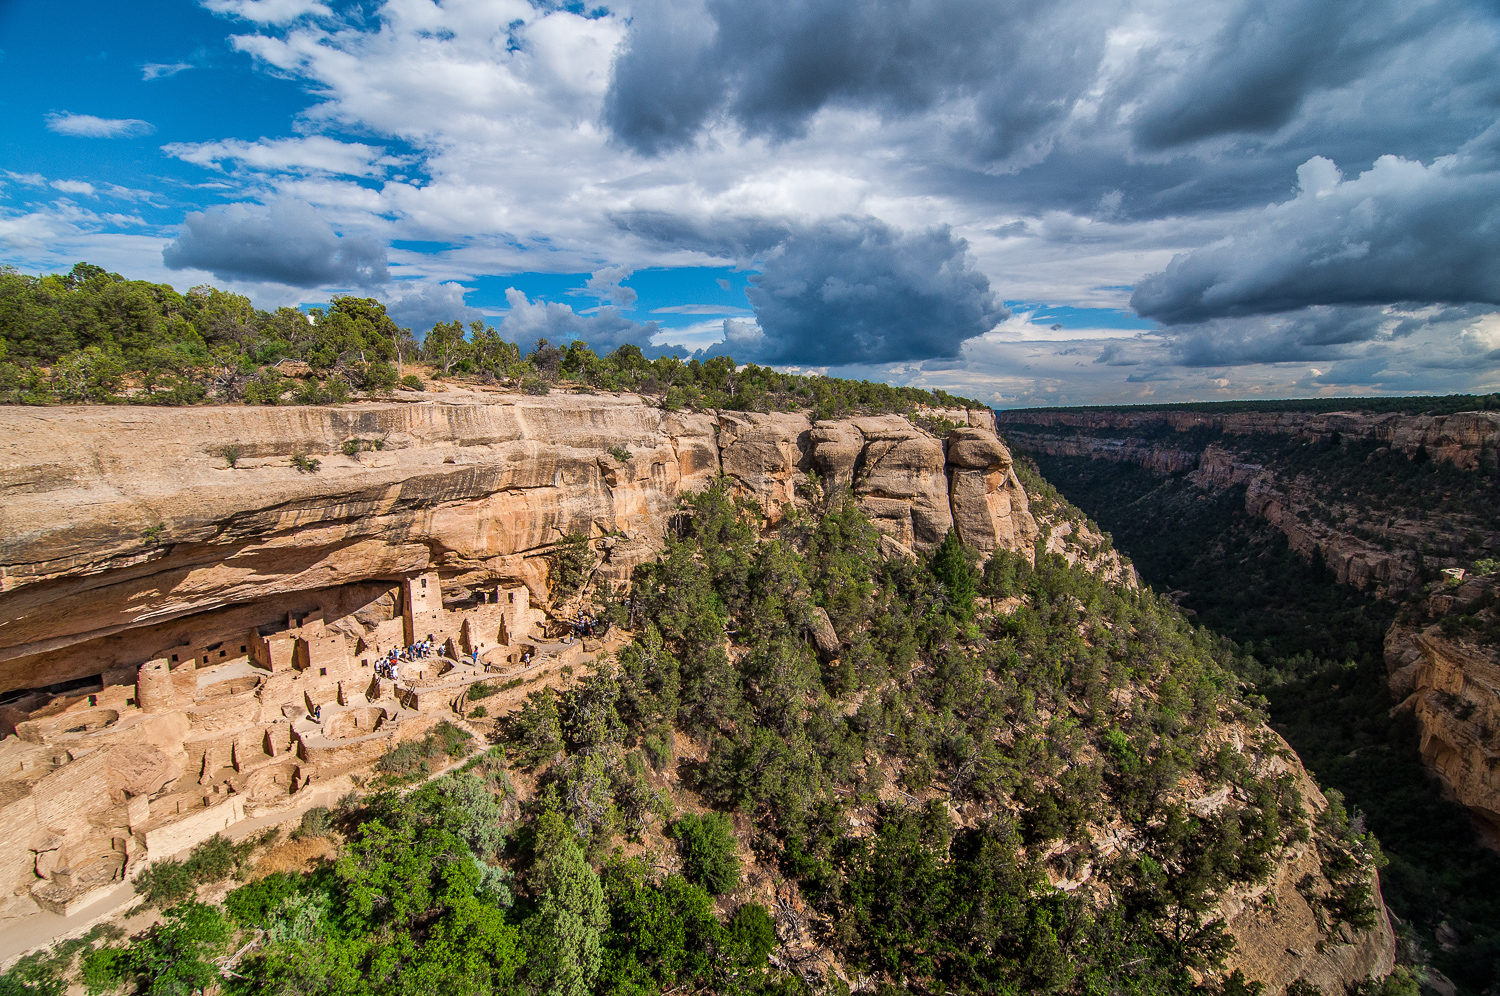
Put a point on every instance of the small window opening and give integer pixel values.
(323, 671)
(243, 649)
(424, 582)
(174, 658)
(223, 653)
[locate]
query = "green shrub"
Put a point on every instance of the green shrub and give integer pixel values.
(570, 561)
(12, 983)
(413, 383)
(45, 973)
(482, 690)
(535, 731)
(404, 759)
(707, 845)
(217, 858)
(454, 741)
(165, 882)
(658, 747)
(751, 934)
(231, 452)
(306, 464)
(413, 759)
(316, 822)
(254, 903)
(478, 712)
(310, 393)
(173, 957)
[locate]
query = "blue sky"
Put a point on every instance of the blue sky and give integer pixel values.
(1062, 202)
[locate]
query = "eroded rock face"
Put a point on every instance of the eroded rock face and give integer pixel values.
(1366, 547)
(122, 527)
(1467, 439)
(1451, 683)
(987, 499)
(238, 617)
(1281, 937)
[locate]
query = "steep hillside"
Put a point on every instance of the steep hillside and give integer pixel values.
(1253, 533)
(907, 734)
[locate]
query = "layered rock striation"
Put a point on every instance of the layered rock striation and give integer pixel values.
(1448, 676)
(202, 610)
(124, 530)
(1468, 439)
(1374, 548)
(200, 607)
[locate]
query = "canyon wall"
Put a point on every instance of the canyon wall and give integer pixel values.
(1449, 678)
(205, 612)
(1467, 439)
(1449, 682)
(128, 531)
(1375, 549)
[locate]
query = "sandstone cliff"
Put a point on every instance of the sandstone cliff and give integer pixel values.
(128, 531)
(131, 538)
(1444, 667)
(1371, 544)
(1282, 931)
(1468, 439)
(204, 611)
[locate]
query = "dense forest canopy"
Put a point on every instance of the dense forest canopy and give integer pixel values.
(923, 790)
(93, 337)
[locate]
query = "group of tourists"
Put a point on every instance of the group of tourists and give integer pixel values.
(389, 666)
(587, 626)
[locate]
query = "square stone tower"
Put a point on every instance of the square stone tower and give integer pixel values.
(422, 606)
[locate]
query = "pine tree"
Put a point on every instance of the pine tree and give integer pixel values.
(953, 566)
(564, 936)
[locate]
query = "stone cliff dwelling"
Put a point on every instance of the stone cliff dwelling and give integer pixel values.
(187, 644)
(151, 759)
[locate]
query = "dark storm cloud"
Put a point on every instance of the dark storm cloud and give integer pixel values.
(1310, 335)
(1400, 232)
(847, 290)
(771, 66)
(289, 243)
(855, 290)
(728, 238)
(1204, 130)
(1269, 56)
